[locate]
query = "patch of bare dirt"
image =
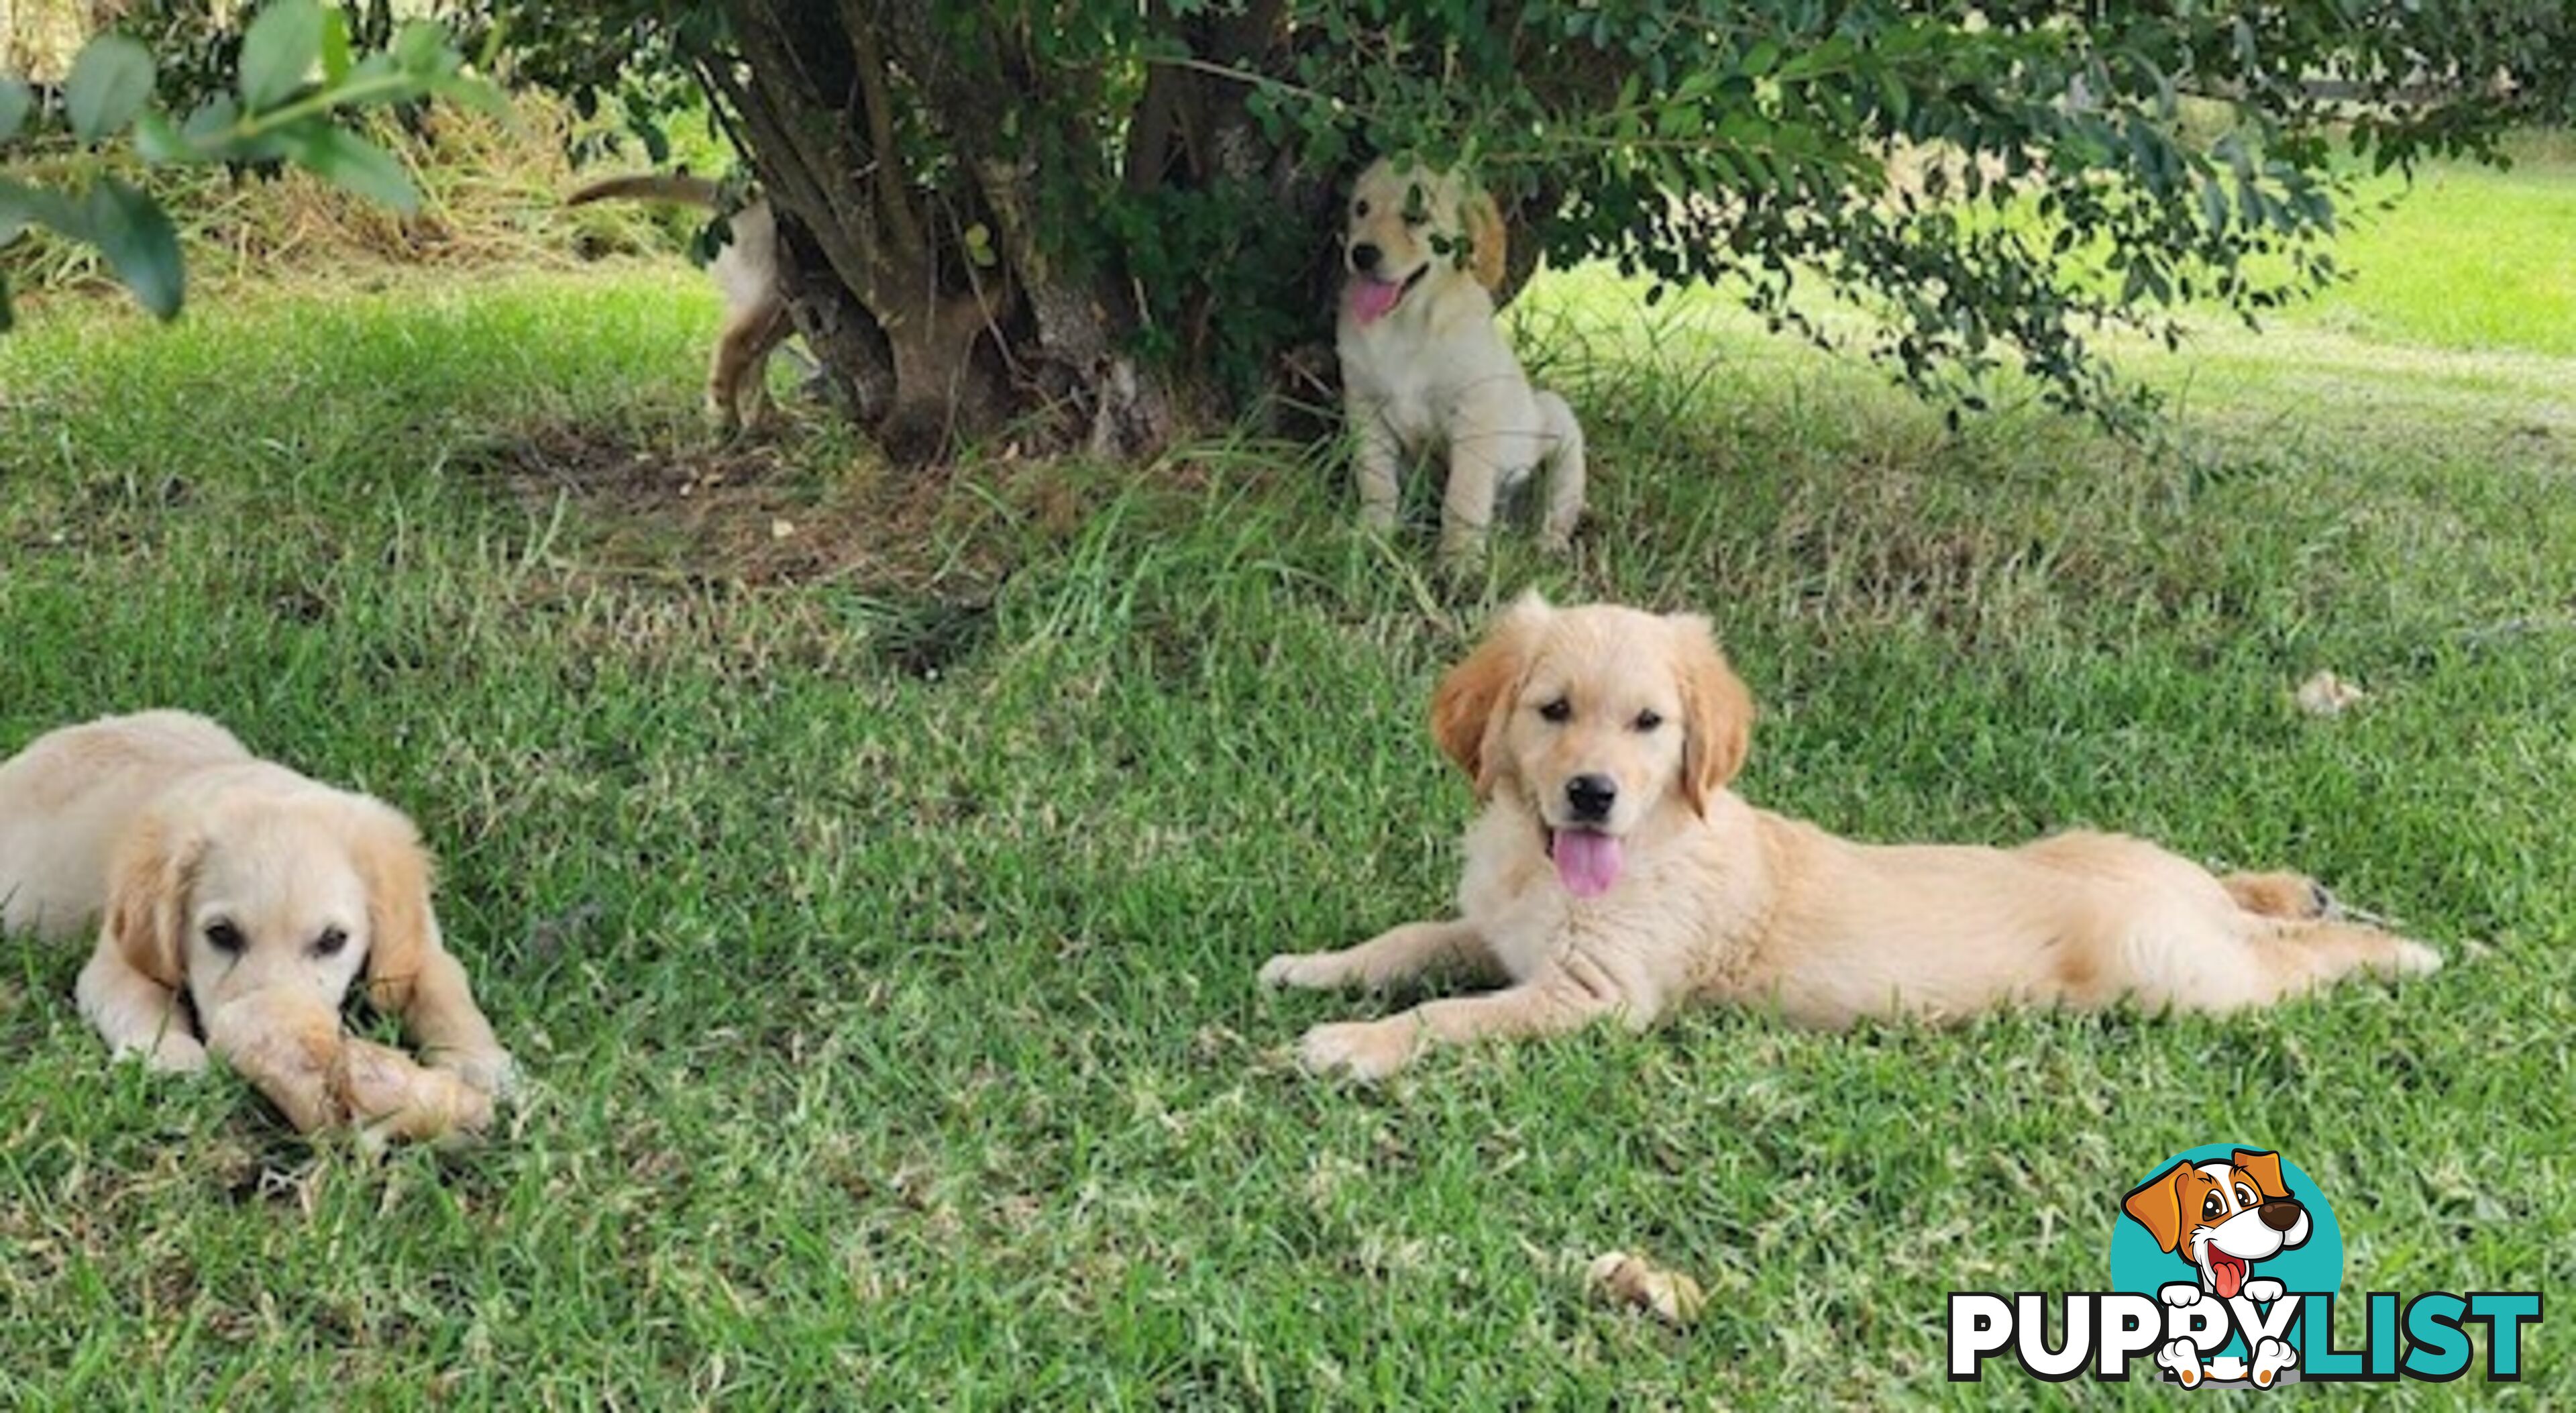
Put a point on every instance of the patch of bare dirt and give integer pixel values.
(758, 512)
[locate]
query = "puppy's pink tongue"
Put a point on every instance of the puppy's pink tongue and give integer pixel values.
(1371, 298)
(1587, 862)
(2227, 1273)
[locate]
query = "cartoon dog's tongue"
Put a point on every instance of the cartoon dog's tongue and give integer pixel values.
(1588, 862)
(1371, 298)
(2227, 1273)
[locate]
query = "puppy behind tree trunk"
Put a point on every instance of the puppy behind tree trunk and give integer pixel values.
(747, 273)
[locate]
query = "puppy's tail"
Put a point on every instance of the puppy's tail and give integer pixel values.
(649, 186)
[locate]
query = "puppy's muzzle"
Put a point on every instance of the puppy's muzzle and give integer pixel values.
(1591, 797)
(1365, 258)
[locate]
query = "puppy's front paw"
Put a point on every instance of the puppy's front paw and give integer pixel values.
(1462, 556)
(492, 1072)
(2179, 1294)
(2262, 1290)
(171, 1052)
(1307, 971)
(1368, 1050)
(2416, 959)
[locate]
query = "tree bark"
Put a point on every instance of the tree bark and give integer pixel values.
(937, 307)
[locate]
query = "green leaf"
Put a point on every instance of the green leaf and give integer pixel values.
(22, 206)
(352, 163)
(420, 46)
(108, 85)
(140, 244)
(16, 102)
(278, 50)
(335, 46)
(158, 140)
(207, 127)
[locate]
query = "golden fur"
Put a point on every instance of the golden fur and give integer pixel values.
(235, 903)
(746, 272)
(1431, 371)
(1712, 899)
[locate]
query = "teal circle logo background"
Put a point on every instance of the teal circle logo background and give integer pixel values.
(2316, 1265)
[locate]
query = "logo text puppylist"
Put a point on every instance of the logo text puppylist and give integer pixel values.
(2225, 1265)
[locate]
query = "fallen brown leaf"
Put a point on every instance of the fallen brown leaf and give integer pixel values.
(1638, 1284)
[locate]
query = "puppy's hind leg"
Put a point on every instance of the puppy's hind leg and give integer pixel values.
(737, 386)
(1561, 446)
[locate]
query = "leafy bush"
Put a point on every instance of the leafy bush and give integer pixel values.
(273, 110)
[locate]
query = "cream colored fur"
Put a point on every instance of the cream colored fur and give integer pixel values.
(1434, 373)
(746, 272)
(234, 903)
(1718, 901)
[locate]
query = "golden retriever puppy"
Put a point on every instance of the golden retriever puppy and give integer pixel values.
(746, 272)
(1425, 367)
(235, 903)
(1612, 872)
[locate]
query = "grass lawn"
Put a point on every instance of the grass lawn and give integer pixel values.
(871, 873)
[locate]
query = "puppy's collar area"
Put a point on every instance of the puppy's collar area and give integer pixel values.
(1372, 299)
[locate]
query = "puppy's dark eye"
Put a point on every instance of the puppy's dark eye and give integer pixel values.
(1649, 720)
(330, 942)
(1558, 710)
(223, 937)
(1360, 209)
(2210, 1206)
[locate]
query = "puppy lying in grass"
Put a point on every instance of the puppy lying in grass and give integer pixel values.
(746, 271)
(235, 904)
(1612, 873)
(1425, 367)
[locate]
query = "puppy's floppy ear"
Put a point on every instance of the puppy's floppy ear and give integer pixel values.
(148, 882)
(2157, 1204)
(1717, 714)
(1474, 700)
(403, 931)
(2265, 1169)
(1488, 245)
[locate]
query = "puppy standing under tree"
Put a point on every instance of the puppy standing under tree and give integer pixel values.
(746, 271)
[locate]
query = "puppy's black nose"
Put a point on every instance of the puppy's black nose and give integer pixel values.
(1592, 796)
(1364, 258)
(2280, 1214)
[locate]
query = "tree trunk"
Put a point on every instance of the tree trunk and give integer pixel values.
(939, 308)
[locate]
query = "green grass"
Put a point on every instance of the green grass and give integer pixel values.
(2472, 258)
(876, 905)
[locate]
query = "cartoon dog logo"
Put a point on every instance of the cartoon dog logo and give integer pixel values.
(2221, 1218)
